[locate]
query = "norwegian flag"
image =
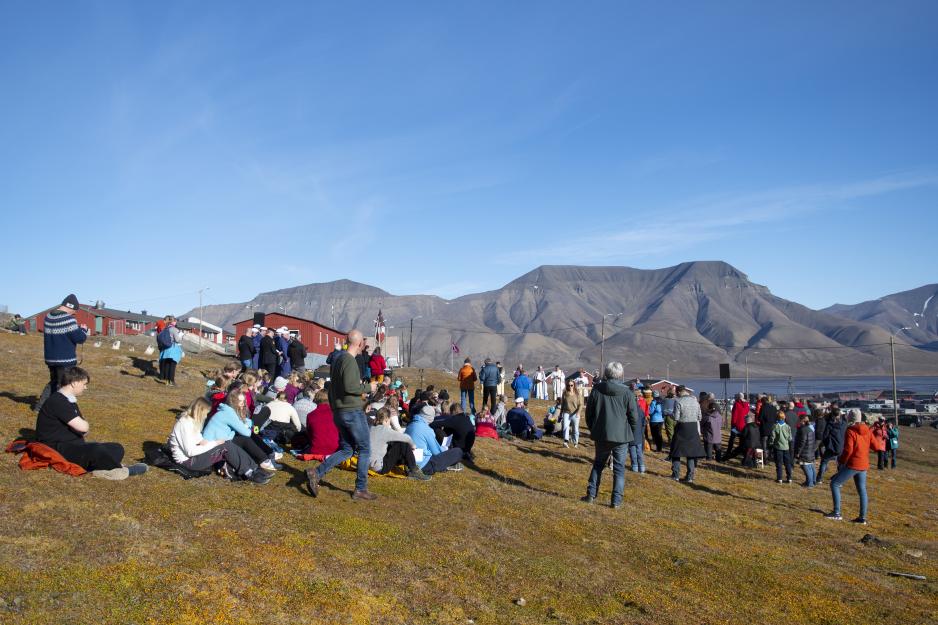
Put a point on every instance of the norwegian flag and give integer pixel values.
(380, 329)
(455, 348)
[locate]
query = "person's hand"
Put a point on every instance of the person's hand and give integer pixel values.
(373, 386)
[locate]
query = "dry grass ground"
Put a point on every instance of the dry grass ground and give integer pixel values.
(733, 548)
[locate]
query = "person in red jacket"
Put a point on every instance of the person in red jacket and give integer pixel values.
(377, 364)
(880, 434)
(321, 429)
(854, 461)
(737, 422)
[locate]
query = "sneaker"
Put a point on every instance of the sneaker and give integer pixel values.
(788, 481)
(270, 465)
(819, 482)
(833, 516)
(641, 469)
(455, 467)
(779, 482)
(120, 473)
(312, 480)
(575, 445)
(137, 469)
(417, 474)
(587, 499)
(634, 469)
(566, 444)
(260, 477)
(688, 480)
(363, 495)
(859, 521)
(278, 455)
(615, 506)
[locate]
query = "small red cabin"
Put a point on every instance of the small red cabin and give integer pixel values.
(318, 338)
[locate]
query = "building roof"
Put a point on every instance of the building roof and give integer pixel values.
(318, 323)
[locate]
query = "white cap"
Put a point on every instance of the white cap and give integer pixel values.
(519, 400)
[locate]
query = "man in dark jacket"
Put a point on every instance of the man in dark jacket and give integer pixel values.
(820, 428)
(611, 416)
(296, 352)
(767, 418)
(804, 449)
(246, 348)
(488, 378)
(268, 355)
(833, 441)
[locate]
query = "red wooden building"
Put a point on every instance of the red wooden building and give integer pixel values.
(102, 321)
(318, 338)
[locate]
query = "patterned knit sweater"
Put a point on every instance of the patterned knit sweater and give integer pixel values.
(61, 334)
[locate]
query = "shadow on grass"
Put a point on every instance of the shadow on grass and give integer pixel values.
(298, 481)
(492, 473)
(553, 455)
(725, 469)
(143, 365)
(29, 400)
(27, 434)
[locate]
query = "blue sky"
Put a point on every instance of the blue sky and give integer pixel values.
(152, 149)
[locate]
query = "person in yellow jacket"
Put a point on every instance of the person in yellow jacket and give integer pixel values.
(467, 386)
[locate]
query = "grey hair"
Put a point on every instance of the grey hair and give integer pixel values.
(854, 415)
(614, 371)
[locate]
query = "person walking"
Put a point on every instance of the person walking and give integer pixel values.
(346, 398)
(686, 441)
(61, 333)
(611, 416)
(467, 385)
(854, 461)
(488, 378)
(571, 402)
(804, 450)
(780, 439)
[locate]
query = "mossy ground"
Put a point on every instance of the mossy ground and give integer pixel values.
(733, 548)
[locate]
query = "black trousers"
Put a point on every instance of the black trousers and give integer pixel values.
(656, 429)
(713, 449)
(92, 456)
(490, 393)
(251, 447)
(55, 374)
(398, 453)
(168, 370)
(235, 457)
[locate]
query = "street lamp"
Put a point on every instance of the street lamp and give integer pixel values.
(410, 347)
(602, 343)
(895, 390)
(747, 373)
(667, 375)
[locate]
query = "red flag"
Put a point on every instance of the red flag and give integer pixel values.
(380, 329)
(455, 348)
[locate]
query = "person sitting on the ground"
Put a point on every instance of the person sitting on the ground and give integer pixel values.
(434, 458)
(393, 405)
(458, 425)
(283, 419)
(16, 324)
(304, 404)
(390, 449)
(217, 391)
(485, 425)
(230, 422)
(293, 388)
(61, 426)
(321, 430)
(553, 425)
(521, 423)
(191, 450)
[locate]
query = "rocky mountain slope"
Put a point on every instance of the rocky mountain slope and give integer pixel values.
(916, 309)
(689, 317)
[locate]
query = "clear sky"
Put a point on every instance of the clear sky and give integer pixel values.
(149, 149)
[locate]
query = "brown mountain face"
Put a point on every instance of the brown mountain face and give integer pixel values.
(913, 314)
(690, 317)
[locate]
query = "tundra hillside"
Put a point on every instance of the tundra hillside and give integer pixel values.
(464, 547)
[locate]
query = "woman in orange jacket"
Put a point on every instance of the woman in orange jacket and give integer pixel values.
(854, 461)
(880, 434)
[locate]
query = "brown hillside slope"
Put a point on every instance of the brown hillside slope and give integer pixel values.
(733, 548)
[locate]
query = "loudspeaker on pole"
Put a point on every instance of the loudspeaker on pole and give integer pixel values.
(724, 371)
(259, 318)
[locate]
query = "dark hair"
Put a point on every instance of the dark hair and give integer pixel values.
(73, 374)
(232, 366)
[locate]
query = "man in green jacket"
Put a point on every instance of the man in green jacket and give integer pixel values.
(346, 398)
(611, 415)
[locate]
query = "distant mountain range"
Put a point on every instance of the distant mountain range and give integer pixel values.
(686, 319)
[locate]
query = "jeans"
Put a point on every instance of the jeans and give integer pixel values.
(892, 457)
(637, 455)
(676, 468)
(859, 478)
(603, 451)
(808, 468)
(571, 422)
(471, 394)
(823, 466)
(247, 364)
(782, 458)
(442, 461)
(353, 436)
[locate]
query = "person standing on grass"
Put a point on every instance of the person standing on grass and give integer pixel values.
(611, 416)
(780, 439)
(488, 378)
(854, 461)
(804, 450)
(61, 426)
(378, 365)
(737, 421)
(170, 344)
(60, 334)
(521, 385)
(637, 445)
(667, 411)
(686, 440)
(656, 420)
(501, 378)
(467, 385)
(892, 443)
(246, 348)
(296, 354)
(767, 416)
(712, 430)
(879, 433)
(346, 398)
(268, 353)
(833, 441)
(571, 403)
(259, 333)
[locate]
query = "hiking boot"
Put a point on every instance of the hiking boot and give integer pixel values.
(137, 469)
(120, 473)
(417, 474)
(587, 499)
(859, 521)
(312, 480)
(363, 495)
(833, 516)
(455, 467)
(260, 477)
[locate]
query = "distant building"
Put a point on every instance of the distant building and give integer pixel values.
(318, 338)
(102, 321)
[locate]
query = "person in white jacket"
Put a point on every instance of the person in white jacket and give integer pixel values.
(190, 450)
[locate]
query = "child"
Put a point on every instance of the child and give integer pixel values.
(780, 444)
(892, 444)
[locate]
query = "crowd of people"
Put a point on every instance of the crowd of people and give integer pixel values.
(266, 404)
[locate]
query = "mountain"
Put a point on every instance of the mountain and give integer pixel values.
(916, 310)
(686, 318)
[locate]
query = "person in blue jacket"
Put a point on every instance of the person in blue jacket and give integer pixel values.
(434, 458)
(283, 346)
(521, 422)
(231, 423)
(656, 420)
(522, 386)
(258, 335)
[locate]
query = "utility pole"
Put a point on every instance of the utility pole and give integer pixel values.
(333, 316)
(602, 341)
(200, 317)
(895, 388)
(410, 347)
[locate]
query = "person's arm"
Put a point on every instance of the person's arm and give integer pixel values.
(78, 335)
(236, 424)
(80, 426)
(295, 418)
(848, 447)
(351, 378)
(401, 438)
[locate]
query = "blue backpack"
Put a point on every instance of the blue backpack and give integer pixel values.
(164, 340)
